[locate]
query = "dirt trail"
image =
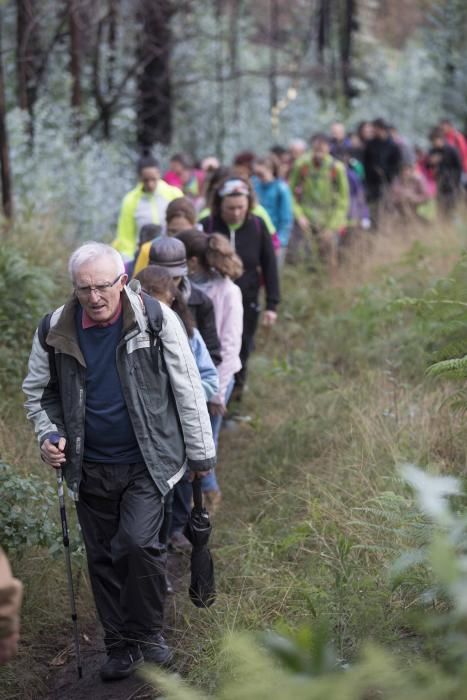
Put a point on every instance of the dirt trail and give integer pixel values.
(64, 681)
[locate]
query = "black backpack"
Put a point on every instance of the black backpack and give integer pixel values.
(154, 316)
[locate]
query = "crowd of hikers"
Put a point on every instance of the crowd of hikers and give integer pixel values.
(130, 382)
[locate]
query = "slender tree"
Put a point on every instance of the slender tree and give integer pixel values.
(154, 91)
(7, 194)
(74, 26)
(28, 53)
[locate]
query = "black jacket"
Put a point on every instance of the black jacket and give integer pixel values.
(447, 166)
(382, 161)
(202, 310)
(253, 244)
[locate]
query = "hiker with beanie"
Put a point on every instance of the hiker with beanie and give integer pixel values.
(180, 216)
(170, 253)
(231, 216)
(145, 204)
(114, 376)
(213, 266)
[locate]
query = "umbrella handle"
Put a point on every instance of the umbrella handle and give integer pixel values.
(197, 494)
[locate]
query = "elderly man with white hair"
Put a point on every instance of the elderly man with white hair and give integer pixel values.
(113, 375)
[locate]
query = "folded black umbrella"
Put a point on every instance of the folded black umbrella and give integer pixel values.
(202, 586)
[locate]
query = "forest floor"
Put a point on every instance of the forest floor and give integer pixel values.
(63, 679)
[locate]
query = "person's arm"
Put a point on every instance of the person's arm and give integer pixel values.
(231, 340)
(206, 367)
(268, 263)
(338, 218)
(294, 182)
(285, 211)
(188, 393)
(11, 593)
(125, 241)
(206, 322)
(43, 404)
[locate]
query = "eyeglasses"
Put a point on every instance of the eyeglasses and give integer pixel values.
(100, 288)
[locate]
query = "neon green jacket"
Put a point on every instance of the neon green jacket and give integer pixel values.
(127, 233)
(321, 193)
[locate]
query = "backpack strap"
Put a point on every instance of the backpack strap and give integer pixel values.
(154, 316)
(42, 332)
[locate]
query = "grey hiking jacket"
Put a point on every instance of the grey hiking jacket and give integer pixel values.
(167, 406)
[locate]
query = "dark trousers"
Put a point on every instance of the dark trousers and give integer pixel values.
(120, 511)
(181, 504)
(250, 324)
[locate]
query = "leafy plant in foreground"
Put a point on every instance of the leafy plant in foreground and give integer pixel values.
(25, 512)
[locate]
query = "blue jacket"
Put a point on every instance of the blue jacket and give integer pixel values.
(276, 198)
(206, 367)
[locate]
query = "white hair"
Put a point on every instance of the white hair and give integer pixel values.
(90, 251)
(298, 143)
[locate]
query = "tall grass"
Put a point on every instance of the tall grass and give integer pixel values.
(314, 510)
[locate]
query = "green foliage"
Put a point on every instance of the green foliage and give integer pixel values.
(25, 294)
(27, 512)
(302, 663)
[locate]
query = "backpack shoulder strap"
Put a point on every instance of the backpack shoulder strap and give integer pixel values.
(154, 316)
(42, 331)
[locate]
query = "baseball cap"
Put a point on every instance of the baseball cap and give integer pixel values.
(169, 253)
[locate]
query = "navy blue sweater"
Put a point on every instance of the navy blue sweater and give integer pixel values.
(109, 435)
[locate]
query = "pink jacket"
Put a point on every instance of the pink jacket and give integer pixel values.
(226, 298)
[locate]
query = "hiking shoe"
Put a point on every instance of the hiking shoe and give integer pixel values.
(156, 650)
(179, 543)
(121, 662)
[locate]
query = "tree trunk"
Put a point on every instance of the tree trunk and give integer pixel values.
(75, 53)
(273, 44)
(154, 94)
(349, 25)
(7, 196)
(219, 67)
(234, 41)
(28, 53)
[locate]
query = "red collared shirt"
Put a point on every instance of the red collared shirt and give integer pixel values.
(88, 322)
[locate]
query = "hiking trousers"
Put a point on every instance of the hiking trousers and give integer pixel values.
(120, 511)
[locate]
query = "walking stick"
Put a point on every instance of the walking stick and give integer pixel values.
(54, 439)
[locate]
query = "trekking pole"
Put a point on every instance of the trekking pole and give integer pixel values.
(54, 439)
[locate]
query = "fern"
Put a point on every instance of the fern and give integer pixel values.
(455, 368)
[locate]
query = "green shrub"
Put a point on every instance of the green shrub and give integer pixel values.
(27, 511)
(25, 295)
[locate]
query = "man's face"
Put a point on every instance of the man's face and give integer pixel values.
(337, 131)
(150, 177)
(234, 209)
(100, 305)
(320, 150)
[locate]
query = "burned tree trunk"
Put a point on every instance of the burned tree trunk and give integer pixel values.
(7, 195)
(154, 95)
(75, 53)
(28, 53)
(349, 26)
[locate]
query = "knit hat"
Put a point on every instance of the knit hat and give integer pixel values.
(170, 253)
